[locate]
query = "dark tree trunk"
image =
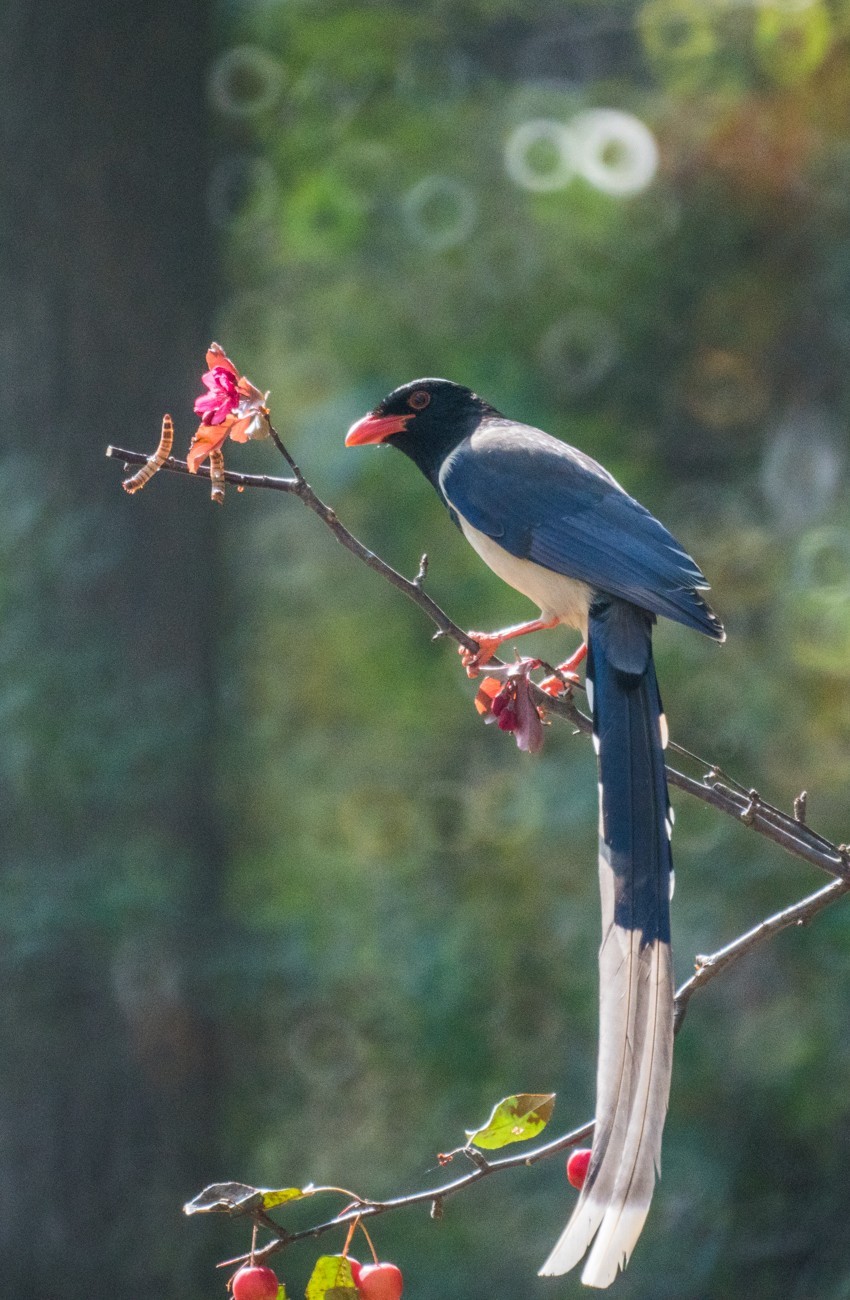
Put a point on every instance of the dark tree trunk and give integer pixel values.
(111, 861)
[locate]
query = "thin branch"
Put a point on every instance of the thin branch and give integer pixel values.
(285, 453)
(299, 487)
(771, 822)
(748, 808)
(174, 466)
(715, 788)
(708, 968)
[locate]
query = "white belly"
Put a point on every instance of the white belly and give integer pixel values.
(565, 599)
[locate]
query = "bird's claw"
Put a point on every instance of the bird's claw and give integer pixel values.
(474, 660)
(565, 675)
(559, 682)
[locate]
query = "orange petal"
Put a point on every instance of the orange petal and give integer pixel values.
(209, 437)
(247, 389)
(239, 428)
(216, 356)
(487, 692)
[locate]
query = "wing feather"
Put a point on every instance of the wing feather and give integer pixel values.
(549, 503)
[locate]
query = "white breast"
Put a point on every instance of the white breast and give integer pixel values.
(565, 599)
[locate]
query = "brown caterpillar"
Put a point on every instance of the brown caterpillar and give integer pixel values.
(217, 476)
(154, 462)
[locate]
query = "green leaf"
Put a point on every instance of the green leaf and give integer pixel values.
(281, 1293)
(514, 1119)
(282, 1195)
(331, 1279)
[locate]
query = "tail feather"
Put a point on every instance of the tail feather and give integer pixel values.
(635, 966)
(626, 1204)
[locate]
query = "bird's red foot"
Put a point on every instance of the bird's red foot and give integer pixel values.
(474, 660)
(488, 643)
(555, 684)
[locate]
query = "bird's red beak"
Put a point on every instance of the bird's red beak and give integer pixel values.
(375, 428)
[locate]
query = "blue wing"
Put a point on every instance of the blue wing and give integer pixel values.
(547, 502)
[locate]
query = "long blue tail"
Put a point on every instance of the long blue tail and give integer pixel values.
(635, 967)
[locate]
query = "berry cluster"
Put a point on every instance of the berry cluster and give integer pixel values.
(378, 1281)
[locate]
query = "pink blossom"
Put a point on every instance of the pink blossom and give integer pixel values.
(230, 408)
(222, 398)
(509, 703)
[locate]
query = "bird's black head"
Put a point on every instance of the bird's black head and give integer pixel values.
(426, 419)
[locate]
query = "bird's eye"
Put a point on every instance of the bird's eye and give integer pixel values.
(419, 400)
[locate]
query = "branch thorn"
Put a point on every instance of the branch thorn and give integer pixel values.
(748, 816)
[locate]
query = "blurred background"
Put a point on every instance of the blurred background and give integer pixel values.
(275, 906)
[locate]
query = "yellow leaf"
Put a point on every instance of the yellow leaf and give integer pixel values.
(281, 1196)
(514, 1119)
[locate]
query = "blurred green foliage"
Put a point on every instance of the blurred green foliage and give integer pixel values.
(417, 900)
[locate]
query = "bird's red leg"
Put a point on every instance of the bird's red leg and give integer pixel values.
(553, 685)
(489, 642)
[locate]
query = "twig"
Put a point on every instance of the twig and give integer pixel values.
(715, 788)
(422, 574)
(285, 453)
(299, 487)
(174, 466)
(782, 828)
(708, 968)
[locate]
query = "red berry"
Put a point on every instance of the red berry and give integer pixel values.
(380, 1282)
(255, 1283)
(356, 1266)
(577, 1167)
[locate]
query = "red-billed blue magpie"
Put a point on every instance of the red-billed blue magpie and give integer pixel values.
(556, 526)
